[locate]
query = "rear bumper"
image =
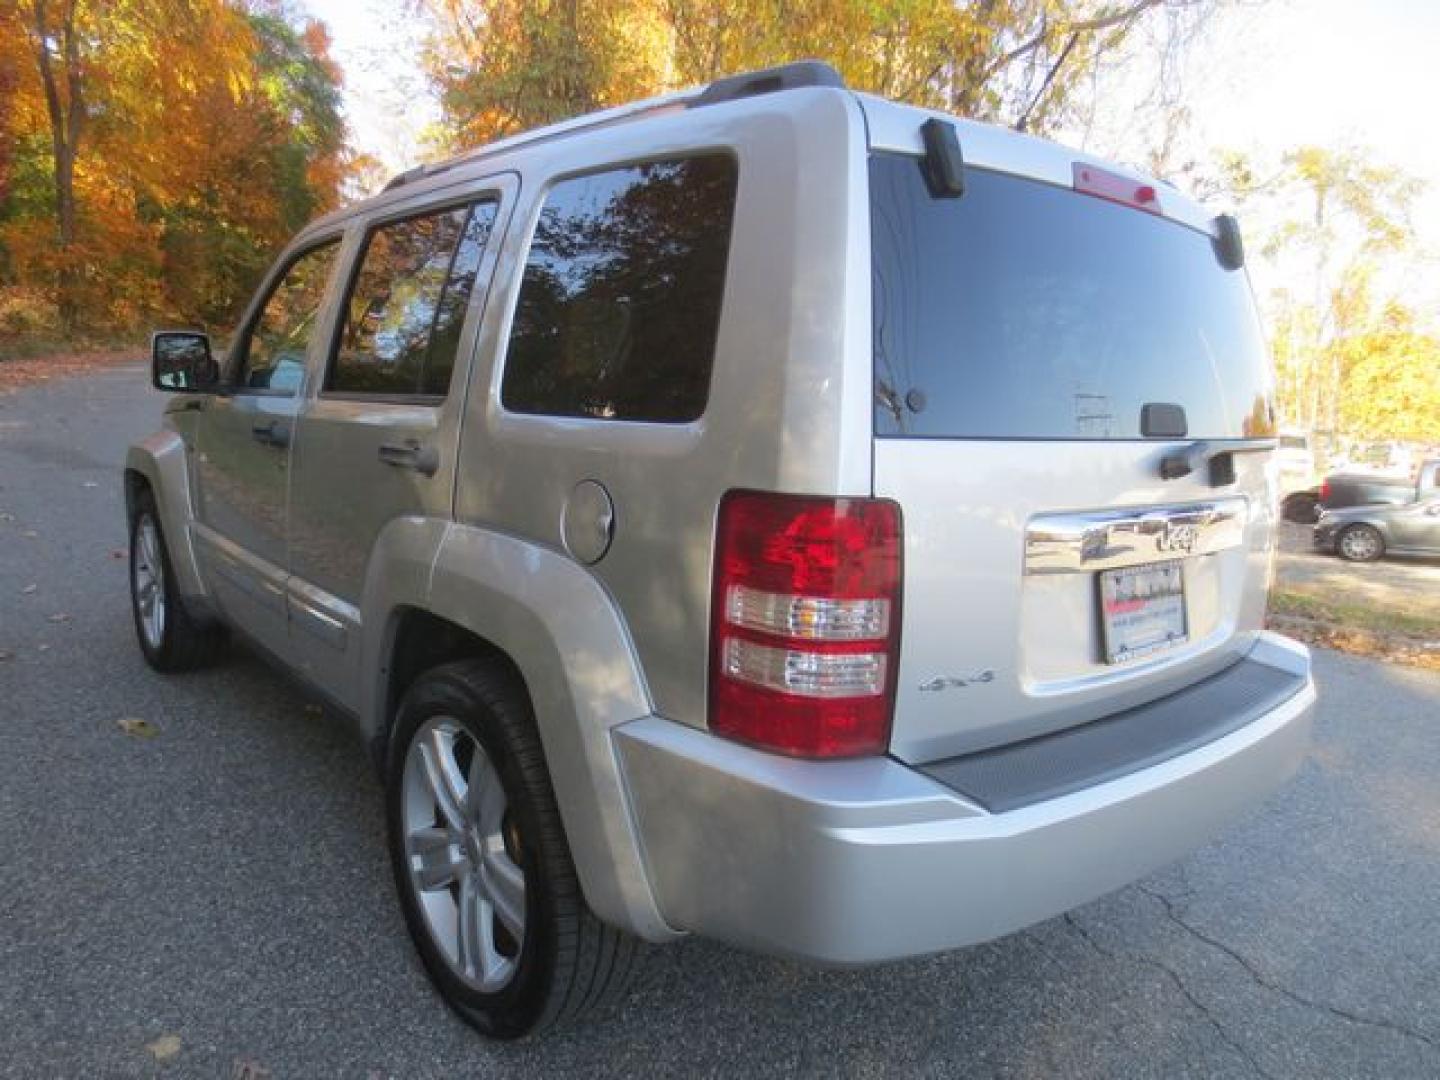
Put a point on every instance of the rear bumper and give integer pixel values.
(862, 861)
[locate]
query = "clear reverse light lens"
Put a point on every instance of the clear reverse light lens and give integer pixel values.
(807, 674)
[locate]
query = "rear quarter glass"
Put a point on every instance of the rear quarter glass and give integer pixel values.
(1026, 310)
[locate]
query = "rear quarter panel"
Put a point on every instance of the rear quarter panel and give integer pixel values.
(789, 398)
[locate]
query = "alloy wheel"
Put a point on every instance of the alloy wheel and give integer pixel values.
(463, 853)
(147, 581)
(1359, 544)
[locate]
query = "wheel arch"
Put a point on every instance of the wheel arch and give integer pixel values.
(550, 622)
(159, 464)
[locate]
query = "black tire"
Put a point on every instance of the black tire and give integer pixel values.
(1359, 543)
(185, 642)
(1301, 507)
(568, 962)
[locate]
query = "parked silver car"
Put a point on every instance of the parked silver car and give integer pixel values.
(1365, 533)
(768, 512)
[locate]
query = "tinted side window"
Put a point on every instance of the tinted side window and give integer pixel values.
(407, 304)
(620, 303)
(274, 353)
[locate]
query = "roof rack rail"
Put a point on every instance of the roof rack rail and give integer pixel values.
(769, 81)
(731, 88)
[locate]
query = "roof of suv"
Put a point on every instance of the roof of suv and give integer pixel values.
(891, 126)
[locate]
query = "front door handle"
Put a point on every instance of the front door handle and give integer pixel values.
(271, 433)
(411, 454)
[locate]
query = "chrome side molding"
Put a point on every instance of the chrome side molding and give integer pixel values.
(1104, 539)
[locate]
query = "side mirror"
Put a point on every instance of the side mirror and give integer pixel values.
(181, 362)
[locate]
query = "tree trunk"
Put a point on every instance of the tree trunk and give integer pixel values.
(67, 118)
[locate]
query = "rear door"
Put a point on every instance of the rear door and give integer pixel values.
(1038, 352)
(378, 441)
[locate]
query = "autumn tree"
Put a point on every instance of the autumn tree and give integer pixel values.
(1390, 379)
(503, 65)
(158, 151)
(55, 39)
(1330, 218)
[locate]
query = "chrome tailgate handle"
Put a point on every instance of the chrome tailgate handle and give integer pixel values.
(1218, 454)
(411, 454)
(1107, 539)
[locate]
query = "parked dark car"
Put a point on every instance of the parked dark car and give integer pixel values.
(1364, 533)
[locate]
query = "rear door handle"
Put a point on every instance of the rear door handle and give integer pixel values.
(411, 454)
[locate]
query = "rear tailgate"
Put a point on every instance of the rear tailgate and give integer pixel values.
(1051, 576)
(998, 644)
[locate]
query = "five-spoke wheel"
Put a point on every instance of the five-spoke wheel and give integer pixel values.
(147, 580)
(486, 881)
(172, 637)
(464, 853)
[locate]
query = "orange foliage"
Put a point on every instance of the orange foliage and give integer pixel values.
(207, 135)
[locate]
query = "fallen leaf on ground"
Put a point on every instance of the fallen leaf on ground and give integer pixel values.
(28, 589)
(250, 1070)
(164, 1048)
(30, 534)
(117, 553)
(141, 729)
(60, 616)
(89, 483)
(42, 648)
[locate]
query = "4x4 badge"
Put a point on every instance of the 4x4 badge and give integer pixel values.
(945, 682)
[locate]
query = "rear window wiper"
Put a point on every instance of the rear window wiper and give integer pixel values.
(1218, 454)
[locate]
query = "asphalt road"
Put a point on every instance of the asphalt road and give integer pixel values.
(224, 882)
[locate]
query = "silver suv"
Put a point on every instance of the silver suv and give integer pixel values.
(767, 512)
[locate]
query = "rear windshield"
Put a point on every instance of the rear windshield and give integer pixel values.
(1022, 310)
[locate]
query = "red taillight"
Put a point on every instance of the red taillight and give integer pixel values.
(805, 623)
(1325, 491)
(1116, 188)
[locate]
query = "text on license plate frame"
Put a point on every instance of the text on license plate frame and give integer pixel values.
(1142, 609)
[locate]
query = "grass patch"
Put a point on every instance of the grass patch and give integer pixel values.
(1353, 615)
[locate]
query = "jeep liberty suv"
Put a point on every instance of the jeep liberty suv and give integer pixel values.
(766, 512)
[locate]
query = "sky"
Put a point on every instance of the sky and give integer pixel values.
(377, 44)
(1267, 76)
(1280, 73)
(1357, 73)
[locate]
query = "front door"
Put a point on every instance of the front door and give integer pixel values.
(376, 444)
(243, 443)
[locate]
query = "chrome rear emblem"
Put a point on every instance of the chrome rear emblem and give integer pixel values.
(1179, 538)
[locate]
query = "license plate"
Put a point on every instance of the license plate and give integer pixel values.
(1142, 610)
